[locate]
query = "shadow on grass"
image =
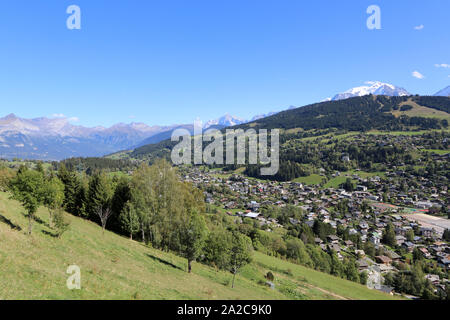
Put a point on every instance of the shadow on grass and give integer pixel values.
(167, 263)
(10, 223)
(40, 221)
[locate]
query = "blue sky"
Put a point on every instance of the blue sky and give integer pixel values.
(164, 62)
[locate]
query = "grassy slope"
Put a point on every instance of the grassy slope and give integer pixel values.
(421, 111)
(113, 267)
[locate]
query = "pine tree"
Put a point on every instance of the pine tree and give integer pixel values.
(98, 195)
(71, 189)
(122, 194)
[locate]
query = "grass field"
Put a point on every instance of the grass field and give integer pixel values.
(311, 179)
(114, 267)
(336, 182)
(421, 111)
(436, 151)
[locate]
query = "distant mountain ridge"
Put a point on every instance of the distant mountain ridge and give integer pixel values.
(443, 93)
(57, 138)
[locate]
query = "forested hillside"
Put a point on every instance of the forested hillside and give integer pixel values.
(356, 114)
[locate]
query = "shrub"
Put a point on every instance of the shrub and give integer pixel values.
(270, 276)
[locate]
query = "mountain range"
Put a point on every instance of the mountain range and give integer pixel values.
(57, 138)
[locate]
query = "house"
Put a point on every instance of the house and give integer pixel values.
(348, 243)
(318, 241)
(384, 288)
(364, 225)
(333, 239)
(425, 253)
(408, 245)
(426, 232)
(444, 262)
(360, 253)
(394, 256)
(400, 240)
(252, 215)
(334, 247)
(361, 188)
(362, 265)
(375, 238)
(433, 278)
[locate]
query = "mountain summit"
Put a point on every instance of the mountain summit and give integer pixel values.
(372, 87)
(225, 121)
(444, 92)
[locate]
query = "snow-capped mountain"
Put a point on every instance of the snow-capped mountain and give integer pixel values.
(225, 121)
(444, 92)
(372, 87)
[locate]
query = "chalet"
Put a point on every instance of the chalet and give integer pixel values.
(334, 247)
(400, 240)
(433, 278)
(408, 245)
(375, 238)
(425, 253)
(383, 260)
(318, 241)
(384, 288)
(361, 188)
(348, 243)
(362, 265)
(360, 253)
(333, 239)
(426, 232)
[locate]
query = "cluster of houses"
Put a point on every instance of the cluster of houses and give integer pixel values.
(245, 196)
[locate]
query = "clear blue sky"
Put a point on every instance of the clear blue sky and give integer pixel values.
(164, 62)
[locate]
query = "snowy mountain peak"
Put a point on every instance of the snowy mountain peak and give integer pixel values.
(226, 120)
(372, 87)
(444, 92)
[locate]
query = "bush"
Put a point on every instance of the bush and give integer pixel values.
(270, 276)
(60, 222)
